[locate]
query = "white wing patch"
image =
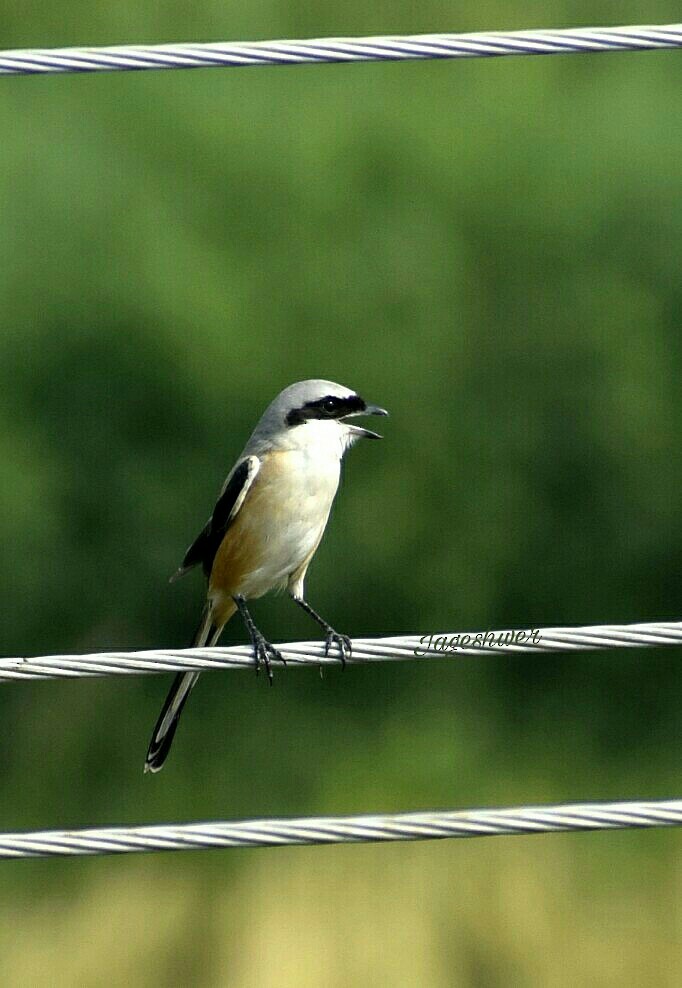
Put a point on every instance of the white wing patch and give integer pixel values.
(252, 467)
(204, 547)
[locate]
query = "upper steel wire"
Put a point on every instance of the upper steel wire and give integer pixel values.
(311, 653)
(484, 44)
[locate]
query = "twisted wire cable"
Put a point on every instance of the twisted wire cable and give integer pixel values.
(314, 51)
(312, 653)
(345, 829)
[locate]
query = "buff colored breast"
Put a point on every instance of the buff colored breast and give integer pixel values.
(277, 528)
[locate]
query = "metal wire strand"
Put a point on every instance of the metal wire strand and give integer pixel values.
(345, 829)
(488, 44)
(312, 653)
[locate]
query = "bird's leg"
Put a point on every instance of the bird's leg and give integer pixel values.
(331, 637)
(263, 651)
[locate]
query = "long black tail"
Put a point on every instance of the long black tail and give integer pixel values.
(166, 725)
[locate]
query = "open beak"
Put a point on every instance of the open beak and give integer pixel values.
(357, 430)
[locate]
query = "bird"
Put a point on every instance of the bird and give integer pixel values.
(266, 525)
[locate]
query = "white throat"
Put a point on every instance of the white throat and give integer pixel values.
(323, 438)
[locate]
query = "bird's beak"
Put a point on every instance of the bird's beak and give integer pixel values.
(357, 430)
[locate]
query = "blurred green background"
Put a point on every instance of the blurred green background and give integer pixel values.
(488, 248)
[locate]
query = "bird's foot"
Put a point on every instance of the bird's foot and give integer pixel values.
(264, 654)
(343, 643)
(331, 637)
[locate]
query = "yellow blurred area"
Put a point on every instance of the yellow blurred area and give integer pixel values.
(556, 911)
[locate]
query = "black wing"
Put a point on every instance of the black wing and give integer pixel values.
(206, 544)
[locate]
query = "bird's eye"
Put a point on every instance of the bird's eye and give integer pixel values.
(329, 405)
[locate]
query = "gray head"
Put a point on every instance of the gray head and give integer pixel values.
(315, 409)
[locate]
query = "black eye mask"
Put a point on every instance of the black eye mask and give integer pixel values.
(329, 407)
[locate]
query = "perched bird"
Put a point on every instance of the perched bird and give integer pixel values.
(267, 524)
